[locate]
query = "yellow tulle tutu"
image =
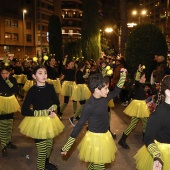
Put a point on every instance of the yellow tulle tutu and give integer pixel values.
(28, 84)
(80, 92)
(137, 108)
(111, 103)
(67, 88)
(97, 148)
(144, 160)
(21, 79)
(42, 127)
(56, 83)
(9, 105)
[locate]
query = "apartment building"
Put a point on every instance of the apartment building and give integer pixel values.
(24, 26)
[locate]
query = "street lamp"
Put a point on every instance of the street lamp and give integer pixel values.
(24, 11)
(139, 13)
(110, 30)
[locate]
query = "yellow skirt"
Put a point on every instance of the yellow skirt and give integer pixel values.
(111, 103)
(144, 160)
(42, 127)
(97, 148)
(67, 88)
(28, 84)
(21, 79)
(80, 92)
(9, 105)
(56, 83)
(137, 108)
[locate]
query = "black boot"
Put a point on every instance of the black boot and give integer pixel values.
(4, 152)
(122, 142)
(49, 166)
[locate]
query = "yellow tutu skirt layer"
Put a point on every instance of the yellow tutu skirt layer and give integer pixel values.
(144, 160)
(28, 84)
(97, 148)
(21, 79)
(42, 127)
(137, 108)
(111, 103)
(80, 92)
(9, 105)
(56, 83)
(67, 88)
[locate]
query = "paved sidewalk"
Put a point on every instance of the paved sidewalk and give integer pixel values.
(24, 157)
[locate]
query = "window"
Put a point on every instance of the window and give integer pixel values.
(8, 22)
(29, 38)
(63, 31)
(14, 23)
(15, 37)
(70, 32)
(8, 36)
(28, 25)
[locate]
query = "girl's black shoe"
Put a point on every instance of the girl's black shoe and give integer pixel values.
(4, 152)
(11, 145)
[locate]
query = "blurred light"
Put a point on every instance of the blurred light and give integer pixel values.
(109, 30)
(134, 12)
(131, 24)
(143, 12)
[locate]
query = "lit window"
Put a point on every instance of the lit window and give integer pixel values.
(8, 36)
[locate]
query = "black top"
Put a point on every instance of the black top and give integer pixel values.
(79, 77)
(95, 111)
(27, 71)
(40, 97)
(52, 73)
(18, 70)
(158, 126)
(5, 90)
(69, 74)
(139, 93)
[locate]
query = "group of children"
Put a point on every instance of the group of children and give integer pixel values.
(97, 146)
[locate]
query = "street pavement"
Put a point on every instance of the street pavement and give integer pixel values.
(24, 157)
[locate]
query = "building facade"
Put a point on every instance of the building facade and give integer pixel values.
(72, 12)
(25, 34)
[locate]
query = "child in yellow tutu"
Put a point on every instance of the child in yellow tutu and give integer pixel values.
(8, 105)
(138, 108)
(80, 91)
(41, 122)
(97, 146)
(155, 154)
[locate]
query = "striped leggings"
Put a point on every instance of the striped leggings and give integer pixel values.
(133, 124)
(44, 147)
(5, 131)
(94, 166)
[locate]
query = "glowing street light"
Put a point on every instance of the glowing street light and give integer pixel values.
(110, 30)
(139, 13)
(24, 11)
